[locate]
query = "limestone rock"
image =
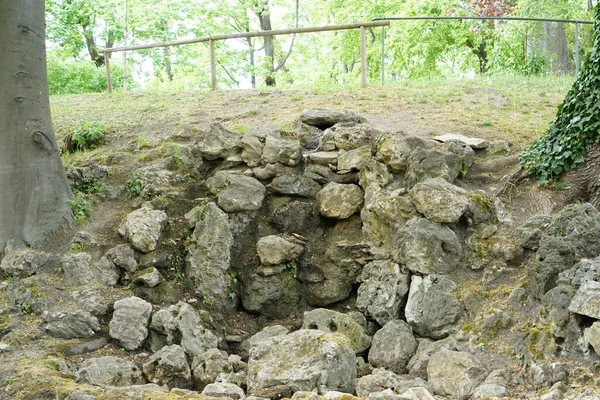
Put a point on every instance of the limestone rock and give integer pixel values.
(474, 143)
(339, 201)
(430, 163)
(303, 361)
(123, 256)
(207, 366)
(169, 366)
(431, 309)
(594, 336)
(393, 346)
(270, 171)
(587, 300)
(209, 256)
(332, 321)
(71, 324)
(454, 373)
(275, 250)
(294, 185)
(354, 160)
(323, 118)
(393, 149)
(252, 149)
(490, 390)
(382, 379)
(143, 228)
(109, 371)
(266, 333)
(226, 390)
(236, 193)
(217, 142)
(286, 152)
(374, 172)
(325, 158)
(272, 291)
(583, 271)
(23, 262)
(353, 137)
(426, 247)
(129, 324)
(300, 217)
(149, 277)
(382, 293)
(439, 200)
(79, 269)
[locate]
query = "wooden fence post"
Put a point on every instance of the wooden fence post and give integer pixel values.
(213, 65)
(363, 55)
(108, 78)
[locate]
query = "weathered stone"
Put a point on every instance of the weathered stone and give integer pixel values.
(339, 201)
(490, 390)
(325, 158)
(294, 185)
(303, 360)
(143, 228)
(439, 200)
(23, 262)
(207, 366)
(71, 324)
(272, 291)
(92, 300)
(123, 256)
(236, 193)
(217, 142)
(252, 149)
(149, 277)
(374, 172)
(129, 324)
(393, 149)
(454, 373)
(323, 175)
(587, 300)
(332, 321)
(209, 257)
(275, 250)
(583, 271)
(226, 390)
(427, 247)
(267, 332)
(353, 137)
(354, 160)
(80, 270)
(393, 346)
(270, 171)
(431, 309)
(169, 366)
(286, 152)
(382, 293)
(382, 379)
(593, 336)
(323, 119)
(428, 163)
(296, 217)
(109, 371)
(474, 143)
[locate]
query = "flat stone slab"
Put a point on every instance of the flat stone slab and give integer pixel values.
(587, 300)
(474, 143)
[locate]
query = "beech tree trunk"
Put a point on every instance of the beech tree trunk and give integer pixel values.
(33, 183)
(554, 46)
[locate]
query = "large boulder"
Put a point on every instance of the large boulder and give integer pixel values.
(109, 371)
(393, 149)
(286, 152)
(439, 201)
(339, 201)
(169, 366)
(217, 142)
(431, 309)
(393, 346)
(23, 261)
(294, 185)
(303, 361)
(79, 269)
(323, 118)
(354, 160)
(382, 293)
(277, 249)
(71, 324)
(209, 256)
(456, 374)
(129, 324)
(427, 248)
(332, 321)
(266, 333)
(430, 163)
(143, 228)
(353, 137)
(236, 193)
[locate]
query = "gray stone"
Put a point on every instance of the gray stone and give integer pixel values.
(169, 366)
(489, 390)
(323, 119)
(207, 366)
(382, 293)
(393, 346)
(129, 324)
(252, 149)
(143, 228)
(393, 149)
(587, 300)
(236, 193)
(339, 201)
(227, 390)
(149, 277)
(583, 271)
(23, 262)
(109, 371)
(354, 160)
(278, 249)
(87, 347)
(474, 143)
(439, 201)
(374, 172)
(92, 300)
(417, 393)
(429, 163)
(431, 309)
(325, 158)
(209, 257)
(78, 395)
(80, 270)
(593, 335)
(296, 217)
(217, 142)
(294, 185)
(454, 373)
(71, 324)
(426, 247)
(263, 131)
(266, 333)
(123, 256)
(272, 291)
(353, 137)
(270, 171)
(382, 379)
(303, 361)
(330, 321)
(286, 152)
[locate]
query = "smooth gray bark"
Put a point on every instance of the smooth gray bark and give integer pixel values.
(33, 184)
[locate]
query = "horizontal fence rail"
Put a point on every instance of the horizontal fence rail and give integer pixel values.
(211, 39)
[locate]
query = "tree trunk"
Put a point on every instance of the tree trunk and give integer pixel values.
(553, 45)
(33, 183)
(252, 62)
(168, 65)
(264, 17)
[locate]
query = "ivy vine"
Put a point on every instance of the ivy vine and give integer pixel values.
(576, 127)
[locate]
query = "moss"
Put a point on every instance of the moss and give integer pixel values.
(483, 202)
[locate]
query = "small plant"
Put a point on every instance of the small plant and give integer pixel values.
(87, 137)
(240, 128)
(142, 142)
(81, 208)
(253, 112)
(233, 286)
(89, 185)
(207, 301)
(134, 187)
(26, 308)
(291, 266)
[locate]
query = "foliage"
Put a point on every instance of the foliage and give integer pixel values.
(134, 187)
(81, 208)
(89, 136)
(576, 127)
(89, 185)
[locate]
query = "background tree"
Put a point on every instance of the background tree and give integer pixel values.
(33, 181)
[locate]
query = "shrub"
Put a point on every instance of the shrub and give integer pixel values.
(89, 136)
